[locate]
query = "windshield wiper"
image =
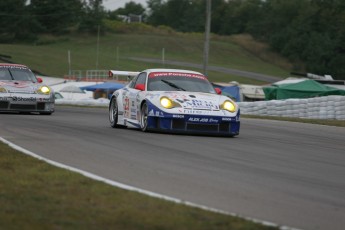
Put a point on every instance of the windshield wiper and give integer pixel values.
(173, 85)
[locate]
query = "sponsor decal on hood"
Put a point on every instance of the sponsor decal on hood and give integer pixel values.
(199, 104)
(194, 100)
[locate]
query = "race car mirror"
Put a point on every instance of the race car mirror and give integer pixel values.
(39, 80)
(140, 87)
(218, 90)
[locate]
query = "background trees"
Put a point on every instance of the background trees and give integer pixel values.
(305, 31)
(311, 32)
(21, 21)
(14, 14)
(92, 16)
(55, 16)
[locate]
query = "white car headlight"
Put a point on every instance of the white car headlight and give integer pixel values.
(168, 103)
(229, 106)
(44, 90)
(3, 90)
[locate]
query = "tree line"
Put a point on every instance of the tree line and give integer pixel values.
(310, 33)
(20, 21)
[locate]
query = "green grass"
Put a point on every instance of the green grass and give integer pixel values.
(36, 195)
(52, 58)
(339, 123)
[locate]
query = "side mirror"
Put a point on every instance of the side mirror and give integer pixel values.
(140, 87)
(39, 80)
(218, 90)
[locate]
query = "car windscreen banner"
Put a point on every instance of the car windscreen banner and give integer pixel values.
(176, 74)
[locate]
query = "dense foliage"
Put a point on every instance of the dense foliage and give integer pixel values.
(311, 33)
(20, 21)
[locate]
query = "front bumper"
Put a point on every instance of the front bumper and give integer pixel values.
(27, 103)
(190, 123)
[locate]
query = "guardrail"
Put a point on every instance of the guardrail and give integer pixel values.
(94, 76)
(329, 107)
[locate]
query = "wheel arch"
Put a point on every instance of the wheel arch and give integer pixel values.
(142, 102)
(118, 98)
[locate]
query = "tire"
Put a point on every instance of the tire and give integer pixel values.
(45, 113)
(113, 113)
(143, 117)
(25, 113)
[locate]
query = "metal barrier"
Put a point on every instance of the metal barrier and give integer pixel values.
(94, 76)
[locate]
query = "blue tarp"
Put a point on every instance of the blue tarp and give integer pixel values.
(107, 86)
(230, 91)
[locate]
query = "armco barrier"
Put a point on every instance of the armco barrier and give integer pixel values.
(329, 107)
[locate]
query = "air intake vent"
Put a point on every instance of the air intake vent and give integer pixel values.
(3, 104)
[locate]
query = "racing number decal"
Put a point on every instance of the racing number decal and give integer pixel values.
(126, 107)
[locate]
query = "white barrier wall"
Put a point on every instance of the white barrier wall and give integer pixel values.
(330, 107)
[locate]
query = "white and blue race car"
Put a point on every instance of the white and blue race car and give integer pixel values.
(173, 100)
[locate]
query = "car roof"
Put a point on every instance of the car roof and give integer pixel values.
(14, 65)
(171, 70)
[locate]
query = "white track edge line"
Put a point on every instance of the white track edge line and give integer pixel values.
(142, 191)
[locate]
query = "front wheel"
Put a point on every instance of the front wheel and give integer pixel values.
(143, 117)
(113, 113)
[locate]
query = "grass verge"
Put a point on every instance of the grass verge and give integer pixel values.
(114, 49)
(36, 195)
(339, 123)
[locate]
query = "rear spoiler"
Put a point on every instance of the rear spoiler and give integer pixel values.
(122, 73)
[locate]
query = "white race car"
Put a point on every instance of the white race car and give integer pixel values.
(173, 100)
(21, 91)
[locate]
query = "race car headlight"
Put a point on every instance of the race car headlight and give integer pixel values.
(43, 90)
(229, 106)
(3, 90)
(168, 103)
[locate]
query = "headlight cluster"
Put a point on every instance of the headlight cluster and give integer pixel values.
(3, 90)
(229, 106)
(43, 90)
(168, 103)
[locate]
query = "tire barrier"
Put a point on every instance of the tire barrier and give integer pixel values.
(329, 107)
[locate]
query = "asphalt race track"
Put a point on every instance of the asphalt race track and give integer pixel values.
(292, 174)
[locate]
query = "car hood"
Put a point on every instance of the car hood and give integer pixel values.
(20, 86)
(191, 100)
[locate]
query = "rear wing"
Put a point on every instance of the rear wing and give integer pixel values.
(117, 73)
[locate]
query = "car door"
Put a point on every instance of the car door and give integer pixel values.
(134, 98)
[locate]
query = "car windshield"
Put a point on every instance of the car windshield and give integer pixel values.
(179, 82)
(5, 74)
(19, 74)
